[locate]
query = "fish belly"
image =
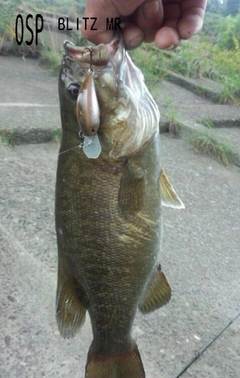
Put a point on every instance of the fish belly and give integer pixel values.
(105, 257)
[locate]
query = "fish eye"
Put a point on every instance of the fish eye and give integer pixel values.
(73, 90)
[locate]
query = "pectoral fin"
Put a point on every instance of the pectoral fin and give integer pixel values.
(132, 187)
(169, 197)
(158, 293)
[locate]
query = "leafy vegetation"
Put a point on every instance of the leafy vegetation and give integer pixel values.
(224, 7)
(207, 123)
(213, 54)
(204, 143)
(50, 39)
(174, 127)
(57, 136)
(223, 30)
(151, 61)
(7, 22)
(232, 7)
(6, 138)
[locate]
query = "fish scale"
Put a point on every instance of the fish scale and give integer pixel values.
(108, 213)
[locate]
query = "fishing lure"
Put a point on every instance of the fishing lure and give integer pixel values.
(87, 111)
(88, 114)
(87, 107)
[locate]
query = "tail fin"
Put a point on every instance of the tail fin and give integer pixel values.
(126, 365)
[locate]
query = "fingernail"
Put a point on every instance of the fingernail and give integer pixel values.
(136, 41)
(150, 9)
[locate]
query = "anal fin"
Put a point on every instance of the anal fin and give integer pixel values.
(158, 293)
(169, 197)
(70, 312)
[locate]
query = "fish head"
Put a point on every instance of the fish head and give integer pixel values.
(105, 94)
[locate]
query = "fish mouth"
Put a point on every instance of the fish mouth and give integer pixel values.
(86, 63)
(98, 56)
(112, 101)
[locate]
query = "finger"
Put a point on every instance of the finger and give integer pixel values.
(133, 36)
(192, 17)
(149, 16)
(168, 36)
(98, 11)
(101, 10)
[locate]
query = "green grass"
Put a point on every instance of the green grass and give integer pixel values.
(230, 93)
(151, 61)
(6, 138)
(172, 117)
(198, 58)
(207, 123)
(51, 60)
(206, 144)
(57, 136)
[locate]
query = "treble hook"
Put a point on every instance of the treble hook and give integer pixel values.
(91, 59)
(90, 49)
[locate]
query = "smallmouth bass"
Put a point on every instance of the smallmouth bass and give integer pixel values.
(109, 192)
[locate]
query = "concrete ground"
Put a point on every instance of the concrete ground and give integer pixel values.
(200, 254)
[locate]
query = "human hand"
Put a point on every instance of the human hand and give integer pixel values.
(164, 21)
